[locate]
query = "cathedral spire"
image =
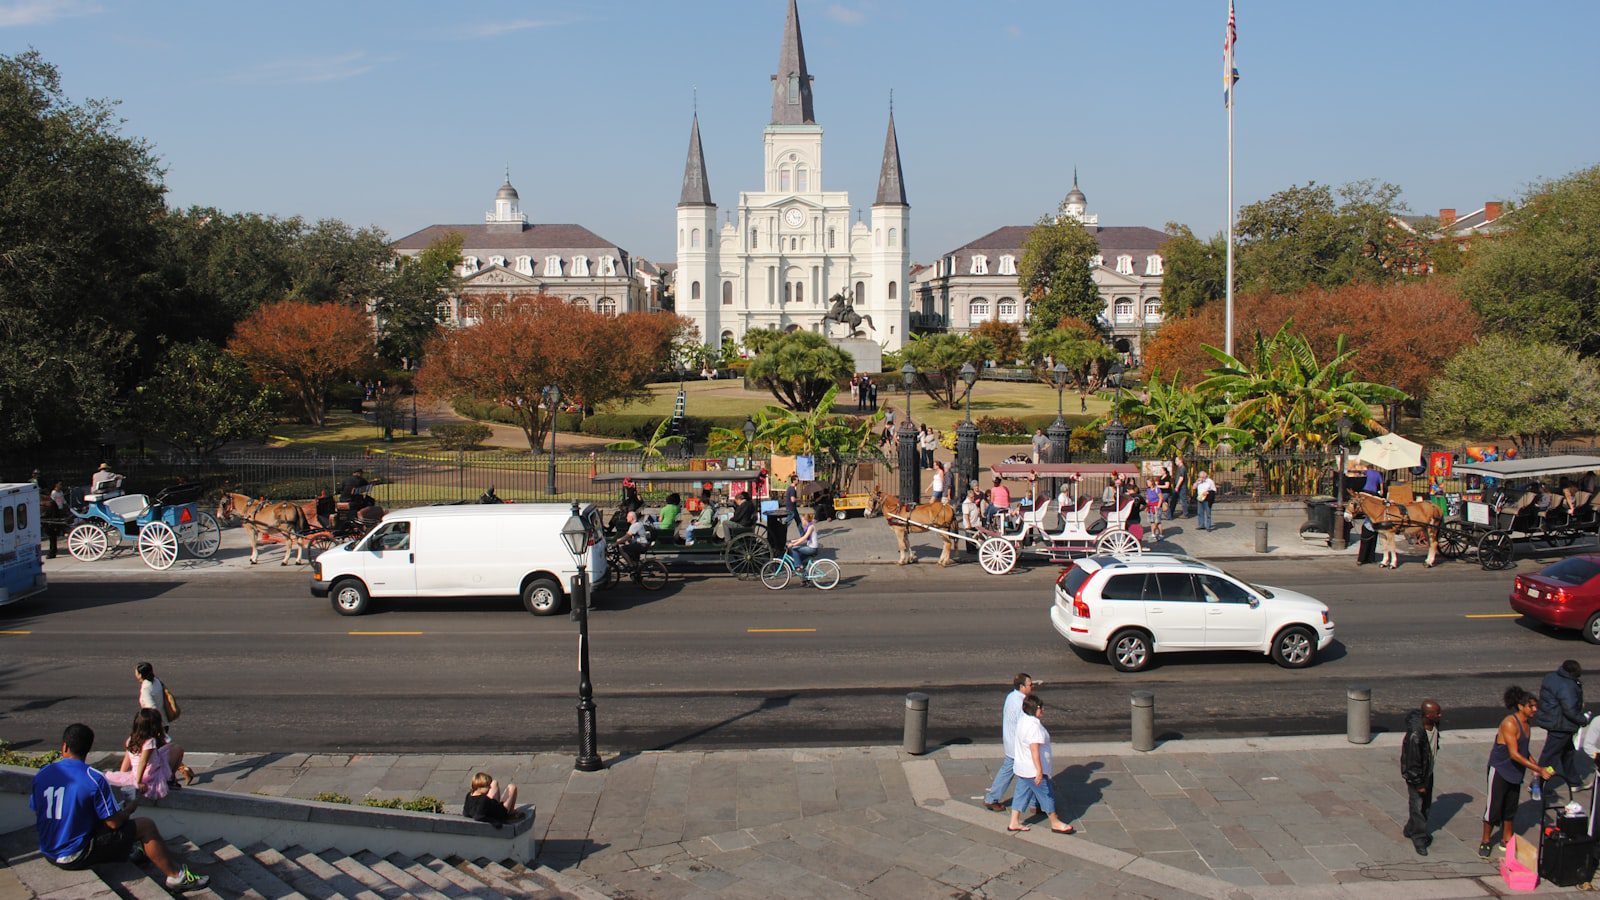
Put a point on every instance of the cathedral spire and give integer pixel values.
(891, 183)
(696, 187)
(791, 86)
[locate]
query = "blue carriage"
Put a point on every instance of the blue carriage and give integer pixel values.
(157, 527)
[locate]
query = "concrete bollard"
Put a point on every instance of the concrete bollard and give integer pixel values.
(1261, 537)
(1358, 714)
(1144, 721)
(915, 741)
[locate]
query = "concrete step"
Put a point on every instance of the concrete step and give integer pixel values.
(201, 862)
(291, 873)
(133, 882)
(399, 877)
(526, 879)
(334, 878)
(493, 881)
(562, 882)
(359, 871)
(246, 869)
(472, 886)
(39, 876)
(426, 875)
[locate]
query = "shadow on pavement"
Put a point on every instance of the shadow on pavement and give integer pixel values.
(767, 703)
(1077, 790)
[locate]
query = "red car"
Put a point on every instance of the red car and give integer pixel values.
(1566, 595)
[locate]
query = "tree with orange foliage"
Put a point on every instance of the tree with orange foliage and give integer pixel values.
(301, 348)
(1402, 332)
(523, 344)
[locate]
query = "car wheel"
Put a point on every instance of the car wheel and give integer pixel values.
(542, 596)
(349, 597)
(1591, 630)
(1295, 647)
(1129, 650)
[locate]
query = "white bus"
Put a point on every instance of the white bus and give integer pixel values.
(21, 568)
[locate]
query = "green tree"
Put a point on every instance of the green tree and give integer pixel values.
(198, 399)
(939, 358)
(799, 368)
(1054, 273)
(1196, 271)
(757, 340)
(230, 263)
(1506, 386)
(1540, 278)
(1074, 345)
(1312, 236)
(339, 263)
(408, 309)
(1177, 420)
(654, 448)
(80, 207)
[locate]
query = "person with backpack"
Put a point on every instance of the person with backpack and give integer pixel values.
(154, 695)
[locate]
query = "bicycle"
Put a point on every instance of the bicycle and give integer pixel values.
(649, 574)
(822, 574)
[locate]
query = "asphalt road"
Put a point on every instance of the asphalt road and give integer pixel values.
(260, 665)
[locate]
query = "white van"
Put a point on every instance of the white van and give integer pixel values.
(492, 550)
(21, 569)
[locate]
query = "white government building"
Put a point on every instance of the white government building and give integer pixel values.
(791, 246)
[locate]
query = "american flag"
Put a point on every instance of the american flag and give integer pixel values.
(1230, 72)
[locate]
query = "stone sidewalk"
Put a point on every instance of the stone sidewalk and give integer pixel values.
(1263, 817)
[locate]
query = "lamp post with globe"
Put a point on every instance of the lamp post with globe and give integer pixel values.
(576, 535)
(552, 402)
(966, 442)
(910, 465)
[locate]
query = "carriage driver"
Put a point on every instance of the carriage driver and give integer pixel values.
(353, 484)
(104, 481)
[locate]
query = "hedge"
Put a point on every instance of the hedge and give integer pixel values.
(640, 426)
(460, 435)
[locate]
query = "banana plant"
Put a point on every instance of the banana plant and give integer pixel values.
(654, 448)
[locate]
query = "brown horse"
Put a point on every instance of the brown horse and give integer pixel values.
(281, 520)
(906, 520)
(1419, 519)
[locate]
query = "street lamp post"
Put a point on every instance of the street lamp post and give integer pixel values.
(413, 410)
(576, 535)
(1059, 434)
(1340, 537)
(749, 441)
(910, 466)
(1116, 434)
(552, 402)
(966, 442)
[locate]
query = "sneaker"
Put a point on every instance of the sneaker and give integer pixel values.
(1483, 850)
(1422, 849)
(186, 880)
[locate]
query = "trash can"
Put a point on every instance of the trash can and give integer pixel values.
(1319, 515)
(777, 533)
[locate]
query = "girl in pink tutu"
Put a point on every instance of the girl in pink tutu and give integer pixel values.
(145, 765)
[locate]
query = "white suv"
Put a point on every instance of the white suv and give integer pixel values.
(1132, 607)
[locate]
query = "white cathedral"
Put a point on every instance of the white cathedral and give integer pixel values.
(791, 247)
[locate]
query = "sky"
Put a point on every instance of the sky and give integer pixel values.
(402, 114)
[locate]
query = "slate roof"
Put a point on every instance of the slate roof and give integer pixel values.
(1115, 240)
(891, 181)
(529, 237)
(696, 186)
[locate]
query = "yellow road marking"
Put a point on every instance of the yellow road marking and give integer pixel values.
(16, 632)
(1492, 616)
(779, 630)
(384, 633)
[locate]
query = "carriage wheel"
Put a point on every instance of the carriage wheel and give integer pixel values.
(323, 542)
(1561, 537)
(87, 542)
(745, 556)
(1118, 541)
(205, 536)
(158, 546)
(1453, 541)
(997, 556)
(1494, 550)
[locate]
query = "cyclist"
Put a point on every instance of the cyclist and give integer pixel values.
(804, 547)
(637, 539)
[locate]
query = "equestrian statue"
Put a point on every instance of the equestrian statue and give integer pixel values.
(843, 311)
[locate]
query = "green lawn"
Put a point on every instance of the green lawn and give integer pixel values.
(729, 398)
(348, 433)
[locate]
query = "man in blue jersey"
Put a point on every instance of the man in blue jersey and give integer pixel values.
(80, 823)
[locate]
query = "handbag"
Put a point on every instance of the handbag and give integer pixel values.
(170, 704)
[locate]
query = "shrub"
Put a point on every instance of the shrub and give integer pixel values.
(460, 436)
(10, 757)
(331, 797)
(999, 425)
(420, 804)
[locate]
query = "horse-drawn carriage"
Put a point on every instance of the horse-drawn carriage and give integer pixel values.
(156, 526)
(1516, 507)
(740, 550)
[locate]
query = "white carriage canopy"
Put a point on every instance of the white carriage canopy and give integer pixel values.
(1542, 467)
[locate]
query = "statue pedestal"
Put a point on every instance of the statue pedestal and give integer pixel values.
(867, 354)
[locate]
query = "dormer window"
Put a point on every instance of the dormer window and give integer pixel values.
(525, 265)
(1152, 264)
(469, 265)
(552, 267)
(580, 267)
(1125, 264)
(1008, 265)
(497, 260)
(980, 265)
(608, 265)
(1096, 261)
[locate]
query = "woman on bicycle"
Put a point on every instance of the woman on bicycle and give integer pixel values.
(804, 547)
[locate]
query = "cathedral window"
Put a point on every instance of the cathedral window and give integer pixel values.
(608, 265)
(788, 291)
(694, 291)
(525, 265)
(831, 241)
(694, 238)
(783, 180)
(727, 293)
(1124, 310)
(1152, 309)
(799, 292)
(894, 290)
(552, 267)
(877, 237)
(802, 180)
(1152, 264)
(1125, 264)
(580, 266)
(1008, 265)
(753, 234)
(1006, 309)
(978, 310)
(980, 265)
(606, 307)
(497, 260)
(894, 237)
(861, 292)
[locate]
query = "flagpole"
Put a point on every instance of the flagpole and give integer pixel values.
(1228, 76)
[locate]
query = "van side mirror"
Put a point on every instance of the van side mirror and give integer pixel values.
(1255, 602)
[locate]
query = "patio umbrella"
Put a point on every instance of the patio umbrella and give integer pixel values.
(1390, 451)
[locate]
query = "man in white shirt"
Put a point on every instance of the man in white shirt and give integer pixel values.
(1205, 491)
(1021, 687)
(1032, 763)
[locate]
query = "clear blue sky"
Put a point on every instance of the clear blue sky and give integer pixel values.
(403, 114)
